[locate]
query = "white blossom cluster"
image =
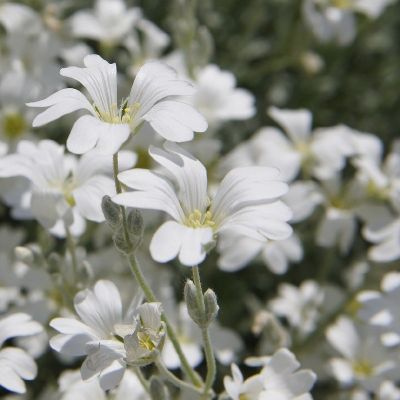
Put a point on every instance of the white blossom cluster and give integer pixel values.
(137, 170)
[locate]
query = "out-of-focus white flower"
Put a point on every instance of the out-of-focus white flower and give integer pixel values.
(334, 20)
(109, 125)
(218, 98)
(385, 242)
(246, 202)
(329, 23)
(381, 309)
(109, 22)
(63, 190)
(101, 331)
(279, 379)
(299, 305)
(237, 251)
(388, 391)
(364, 359)
(73, 387)
(15, 364)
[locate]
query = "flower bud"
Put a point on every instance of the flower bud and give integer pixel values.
(191, 303)
(211, 306)
(120, 241)
(135, 223)
(111, 211)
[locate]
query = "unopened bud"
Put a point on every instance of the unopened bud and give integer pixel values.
(158, 391)
(211, 306)
(121, 242)
(191, 303)
(111, 212)
(135, 223)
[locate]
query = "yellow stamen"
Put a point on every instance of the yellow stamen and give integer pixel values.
(199, 220)
(14, 125)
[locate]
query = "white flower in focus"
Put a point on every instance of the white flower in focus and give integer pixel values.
(246, 202)
(99, 334)
(381, 309)
(110, 123)
(15, 364)
(279, 379)
(299, 305)
(110, 22)
(63, 190)
(364, 359)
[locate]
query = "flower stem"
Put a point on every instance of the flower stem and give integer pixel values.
(174, 379)
(210, 359)
(149, 294)
(142, 379)
(72, 251)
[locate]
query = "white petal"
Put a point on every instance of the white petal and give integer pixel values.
(343, 337)
(60, 103)
(20, 361)
(175, 121)
(88, 197)
(100, 80)
(189, 174)
(194, 242)
(11, 380)
(167, 241)
(296, 123)
(112, 137)
(84, 134)
(151, 192)
(71, 345)
(111, 376)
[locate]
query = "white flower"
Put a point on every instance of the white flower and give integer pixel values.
(63, 189)
(381, 309)
(218, 98)
(101, 331)
(334, 20)
(110, 22)
(329, 23)
(15, 364)
(299, 305)
(385, 242)
(109, 125)
(364, 359)
(246, 202)
(96, 335)
(279, 379)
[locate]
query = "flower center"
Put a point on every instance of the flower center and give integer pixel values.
(343, 4)
(363, 368)
(146, 341)
(14, 125)
(124, 115)
(197, 219)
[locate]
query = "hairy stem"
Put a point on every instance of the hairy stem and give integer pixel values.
(210, 359)
(174, 379)
(149, 294)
